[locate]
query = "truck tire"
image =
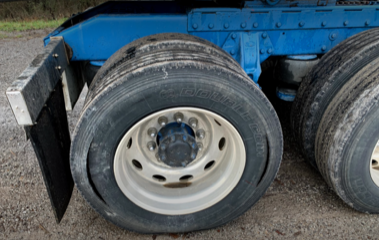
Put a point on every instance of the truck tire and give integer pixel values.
(347, 149)
(323, 82)
(174, 137)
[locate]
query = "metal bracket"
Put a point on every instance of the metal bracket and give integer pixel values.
(249, 49)
(29, 93)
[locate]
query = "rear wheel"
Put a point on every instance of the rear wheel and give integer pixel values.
(174, 137)
(347, 141)
(324, 81)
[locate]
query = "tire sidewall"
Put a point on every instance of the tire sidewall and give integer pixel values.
(361, 191)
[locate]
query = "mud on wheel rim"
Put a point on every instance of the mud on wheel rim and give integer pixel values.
(213, 159)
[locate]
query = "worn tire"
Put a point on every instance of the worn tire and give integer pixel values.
(324, 81)
(347, 135)
(156, 73)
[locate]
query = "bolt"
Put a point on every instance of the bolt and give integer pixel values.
(301, 24)
(345, 23)
(210, 25)
(193, 122)
(262, 51)
(58, 67)
(193, 156)
(226, 25)
(55, 55)
(323, 48)
(184, 137)
(163, 157)
(151, 146)
(193, 145)
(243, 25)
(200, 133)
(152, 132)
(264, 35)
(255, 25)
(178, 117)
(163, 146)
(234, 36)
(199, 146)
(323, 23)
(269, 51)
(232, 52)
(172, 138)
(162, 121)
(367, 22)
(194, 26)
(278, 24)
(334, 36)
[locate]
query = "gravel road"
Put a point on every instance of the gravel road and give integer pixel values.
(298, 205)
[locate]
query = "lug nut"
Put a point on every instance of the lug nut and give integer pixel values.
(178, 117)
(200, 133)
(193, 122)
(193, 156)
(151, 146)
(200, 146)
(152, 132)
(162, 121)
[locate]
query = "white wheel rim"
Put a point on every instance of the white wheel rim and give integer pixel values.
(374, 165)
(205, 188)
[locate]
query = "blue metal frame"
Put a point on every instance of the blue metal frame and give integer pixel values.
(250, 34)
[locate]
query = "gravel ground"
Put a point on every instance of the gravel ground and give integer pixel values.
(298, 205)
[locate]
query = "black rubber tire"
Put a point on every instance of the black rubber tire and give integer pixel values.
(324, 81)
(192, 73)
(347, 135)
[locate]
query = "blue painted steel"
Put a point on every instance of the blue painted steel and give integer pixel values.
(250, 34)
(99, 37)
(97, 63)
(302, 57)
(285, 96)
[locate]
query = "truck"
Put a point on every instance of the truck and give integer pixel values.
(176, 134)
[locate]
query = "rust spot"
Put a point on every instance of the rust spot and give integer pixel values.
(178, 185)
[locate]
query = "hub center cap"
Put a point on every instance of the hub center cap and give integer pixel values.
(177, 146)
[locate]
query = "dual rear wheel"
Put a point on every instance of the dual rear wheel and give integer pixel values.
(335, 117)
(175, 137)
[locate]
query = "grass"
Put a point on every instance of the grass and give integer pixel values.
(11, 26)
(2, 36)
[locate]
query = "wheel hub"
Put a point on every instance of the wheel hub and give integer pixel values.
(177, 146)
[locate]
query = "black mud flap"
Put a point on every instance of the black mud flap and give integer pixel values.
(50, 138)
(38, 103)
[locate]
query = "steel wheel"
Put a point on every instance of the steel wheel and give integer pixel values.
(374, 165)
(160, 180)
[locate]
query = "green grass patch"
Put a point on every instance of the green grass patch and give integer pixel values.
(10, 26)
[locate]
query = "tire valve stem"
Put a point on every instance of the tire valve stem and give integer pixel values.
(162, 121)
(151, 146)
(178, 117)
(152, 132)
(200, 133)
(193, 122)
